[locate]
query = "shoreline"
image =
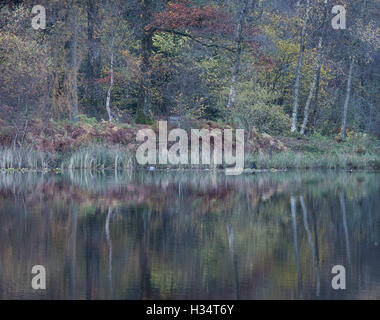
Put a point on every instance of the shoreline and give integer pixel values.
(162, 170)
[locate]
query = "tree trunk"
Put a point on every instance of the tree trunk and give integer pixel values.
(108, 100)
(311, 92)
(349, 81)
(347, 100)
(299, 69)
(370, 118)
(145, 101)
(316, 103)
(317, 71)
(236, 69)
(93, 63)
(73, 94)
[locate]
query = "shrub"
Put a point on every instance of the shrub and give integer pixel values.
(255, 108)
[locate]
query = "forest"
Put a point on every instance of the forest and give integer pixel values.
(74, 90)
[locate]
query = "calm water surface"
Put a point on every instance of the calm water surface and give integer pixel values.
(176, 235)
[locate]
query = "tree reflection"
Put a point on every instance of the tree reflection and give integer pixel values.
(191, 235)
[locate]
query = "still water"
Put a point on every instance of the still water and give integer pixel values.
(190, 235)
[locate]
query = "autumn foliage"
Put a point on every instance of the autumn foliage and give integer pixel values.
(208, 20)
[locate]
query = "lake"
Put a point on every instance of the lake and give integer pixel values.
(190, 235)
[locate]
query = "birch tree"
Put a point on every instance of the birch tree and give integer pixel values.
(299, 68)
(317, 72)
(347, 99)
(108, 99)
(116, 32)
(349, 79)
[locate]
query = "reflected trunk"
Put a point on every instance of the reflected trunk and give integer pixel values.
(109, 242)
(311, 243)
(231, 240)
(345, 227)
(295, 243)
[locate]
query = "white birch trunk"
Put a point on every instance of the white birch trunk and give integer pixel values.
(299, 69)
(311, 92)
(316, 75)
(108, 100)
(349, 81)
(347, 100)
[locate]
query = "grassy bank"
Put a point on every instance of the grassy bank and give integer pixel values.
(291, 160)
(94, 145)
(301, 155)
(93, 157)
(321, 152)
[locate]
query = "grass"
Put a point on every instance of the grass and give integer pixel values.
(291, 160)
(94, 157)
(100, 157)
(318, 152)
(321, 152)
(19, 158)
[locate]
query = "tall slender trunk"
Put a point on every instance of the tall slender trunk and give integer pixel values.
(370, 118)
(316, 102)
(299, 68)
(108, 100)
(239, 41)
(347, 100)
(145, 100)
(93, 63)
(313, 85)
(316, 73)
(73, 94)
(349, 80)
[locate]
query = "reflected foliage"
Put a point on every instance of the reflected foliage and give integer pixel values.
(189, 235)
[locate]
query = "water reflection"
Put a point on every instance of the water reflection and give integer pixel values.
(190, 235)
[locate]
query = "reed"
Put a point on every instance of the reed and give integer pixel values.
(20, 158)
(291, 160)
(100, 157)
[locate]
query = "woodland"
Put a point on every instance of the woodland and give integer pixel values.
(74, 93)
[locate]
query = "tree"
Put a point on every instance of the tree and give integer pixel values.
(72, 75)
(239, 42)
(317, 71)
(93, 61)
(299, 67)
(144, 107)
(350, 74)
(25, 69)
